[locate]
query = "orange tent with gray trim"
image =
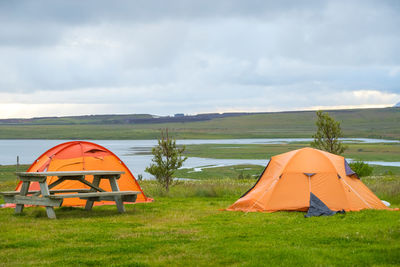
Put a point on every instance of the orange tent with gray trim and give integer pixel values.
(83, 156)
(310, 180)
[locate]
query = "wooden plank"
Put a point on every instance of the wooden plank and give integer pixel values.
(124, 198)
(110, 176)
(89, 202)
(55, 183)
(59, 181)
(118, 200)
(33, 178)
(55, 191)
(10, 193)
(91, 185)
(50, 212)
(95, 194)
(68, 173)
(29, 200)
(99, 198)
(114, 185)
(72, 177)
(24, 190)
(44, 189)
(92, 200)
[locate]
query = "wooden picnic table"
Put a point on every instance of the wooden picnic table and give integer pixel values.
(54, 198)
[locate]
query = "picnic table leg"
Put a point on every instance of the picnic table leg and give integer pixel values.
(96, 182)
(45, 192)
(23, 192)
(118, 199)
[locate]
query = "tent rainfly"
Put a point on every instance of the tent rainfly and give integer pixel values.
(310, 180)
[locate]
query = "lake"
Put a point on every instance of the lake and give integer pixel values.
(131, 151)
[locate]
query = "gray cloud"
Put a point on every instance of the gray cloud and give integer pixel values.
(198, 56)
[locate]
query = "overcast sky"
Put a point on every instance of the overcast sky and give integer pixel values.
(181, 56)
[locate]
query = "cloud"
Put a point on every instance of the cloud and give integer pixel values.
(163, 57)
(394, 71)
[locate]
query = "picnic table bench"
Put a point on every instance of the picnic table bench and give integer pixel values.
(54, 198)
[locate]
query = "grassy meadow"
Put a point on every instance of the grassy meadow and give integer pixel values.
(371, 123)
(356, 151)
(189, 227)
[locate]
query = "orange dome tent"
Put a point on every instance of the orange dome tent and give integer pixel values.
(310, 180)
(83, 156)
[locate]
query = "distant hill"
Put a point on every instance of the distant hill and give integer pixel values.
(177, 118)
(119, 119)
(86, 119)
(368, 123)
(397, 105)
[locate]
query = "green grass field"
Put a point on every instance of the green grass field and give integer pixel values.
(188, 227)
(247, 171)
(194, 231)
(356, 151)
(372, 123)
(253, 172)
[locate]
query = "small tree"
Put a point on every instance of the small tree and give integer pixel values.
(167, 159)
(361, 168)
(328, 134)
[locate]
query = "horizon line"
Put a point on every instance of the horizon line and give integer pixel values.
(314, 108)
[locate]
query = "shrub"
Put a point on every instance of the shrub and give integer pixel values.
(361, 168)
(167, 158)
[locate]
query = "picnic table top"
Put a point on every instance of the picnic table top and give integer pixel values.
(68, 173)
